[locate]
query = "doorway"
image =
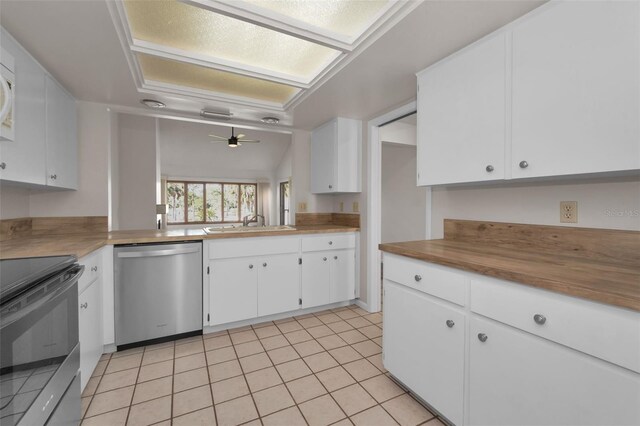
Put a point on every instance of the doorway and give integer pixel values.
(284, 203)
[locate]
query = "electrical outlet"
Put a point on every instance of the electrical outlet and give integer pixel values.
(356, 207)
(302, 207)
(568, 212)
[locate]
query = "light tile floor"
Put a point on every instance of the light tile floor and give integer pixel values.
(316, 369)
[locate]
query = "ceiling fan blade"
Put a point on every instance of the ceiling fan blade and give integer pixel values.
(219, 137)
(240, 136)
(248, 141)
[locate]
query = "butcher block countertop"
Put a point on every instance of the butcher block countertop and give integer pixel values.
(595, 264)
(80, 245)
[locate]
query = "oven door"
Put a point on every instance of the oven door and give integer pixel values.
(39, 350)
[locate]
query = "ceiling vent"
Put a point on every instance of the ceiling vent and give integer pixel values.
(214, 114)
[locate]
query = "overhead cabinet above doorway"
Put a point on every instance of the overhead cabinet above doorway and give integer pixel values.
(555, 93)
(336, 148)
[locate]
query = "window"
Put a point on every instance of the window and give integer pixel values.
(210, 202)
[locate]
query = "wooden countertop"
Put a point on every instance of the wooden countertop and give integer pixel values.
(82, 244)
(605, 279)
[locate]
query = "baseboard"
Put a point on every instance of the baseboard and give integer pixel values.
(274, 317)
(363, 305)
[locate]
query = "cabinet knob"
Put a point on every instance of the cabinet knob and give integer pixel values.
(335, 257)
(523, 164)
(418, 278)
(264, 264)
(330, 243)
(54, 177)
(482, 337)
(324, 258)
(3, 165)
(539, 319)
(84, 305)
(94, 269)
(489, 168)
(450, 323)
(250, 266)
(330, 186)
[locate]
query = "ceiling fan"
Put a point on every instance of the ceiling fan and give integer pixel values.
(234, 140)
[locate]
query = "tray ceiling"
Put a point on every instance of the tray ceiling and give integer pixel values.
(259, 53)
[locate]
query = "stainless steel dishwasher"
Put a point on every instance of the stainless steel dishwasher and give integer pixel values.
(158, 291)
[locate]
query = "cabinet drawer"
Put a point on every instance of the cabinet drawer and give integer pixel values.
(435, 280)
(328, 242)
(260, 246)
(92, 270)
(609, 333)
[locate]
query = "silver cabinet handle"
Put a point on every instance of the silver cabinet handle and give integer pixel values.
(3, 165)
(523, 164)
(324, 258)
(330, 243)
(330, 186)
(482, 337)
(489, 168)
(335, 257)
(450, 323)
(250, 266)
(418, 278)
(84, 305)
(264, 264)
(54, 177)
(94, 269)
(539, 319)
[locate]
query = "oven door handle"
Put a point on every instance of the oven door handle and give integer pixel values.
(63, 288)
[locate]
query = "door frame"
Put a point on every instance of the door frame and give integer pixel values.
(374, 203)
(281, 209)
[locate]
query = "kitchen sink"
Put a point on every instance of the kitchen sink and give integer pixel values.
(213, 230)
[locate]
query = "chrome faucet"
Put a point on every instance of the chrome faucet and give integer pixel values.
(248, 218)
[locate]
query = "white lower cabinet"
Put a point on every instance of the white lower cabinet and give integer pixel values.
(249, 278)
(328, 277)
(516, 378)
(90, 319)
(424, 347)
(278, 284)
(234, 289)
(528, 356)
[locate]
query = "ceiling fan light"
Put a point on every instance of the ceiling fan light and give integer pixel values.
(233, 144)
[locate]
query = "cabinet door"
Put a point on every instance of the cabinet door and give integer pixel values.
(518, 379)
(24, 157)
(233, 288)
(316, 279)
(278, 284)
(62, 146)
(343, 279)
(576, 89)
(461, 116)
(422, 350)
(90, 329)
(323, 141)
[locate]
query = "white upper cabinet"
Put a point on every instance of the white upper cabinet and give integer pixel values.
(576, 90)
(461, 116)
(24, 157)
(45, 143)
(555, 93)
(336, 148)
(62, 145)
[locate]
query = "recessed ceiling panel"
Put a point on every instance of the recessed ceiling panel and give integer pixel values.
(200, 31)
(347, 17)
(198, 77)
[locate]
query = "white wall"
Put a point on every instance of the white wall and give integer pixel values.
(14, 202)
(403, 202)
(137, 169)
(612, 203)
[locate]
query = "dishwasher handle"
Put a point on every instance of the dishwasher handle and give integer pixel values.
(156, 253)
